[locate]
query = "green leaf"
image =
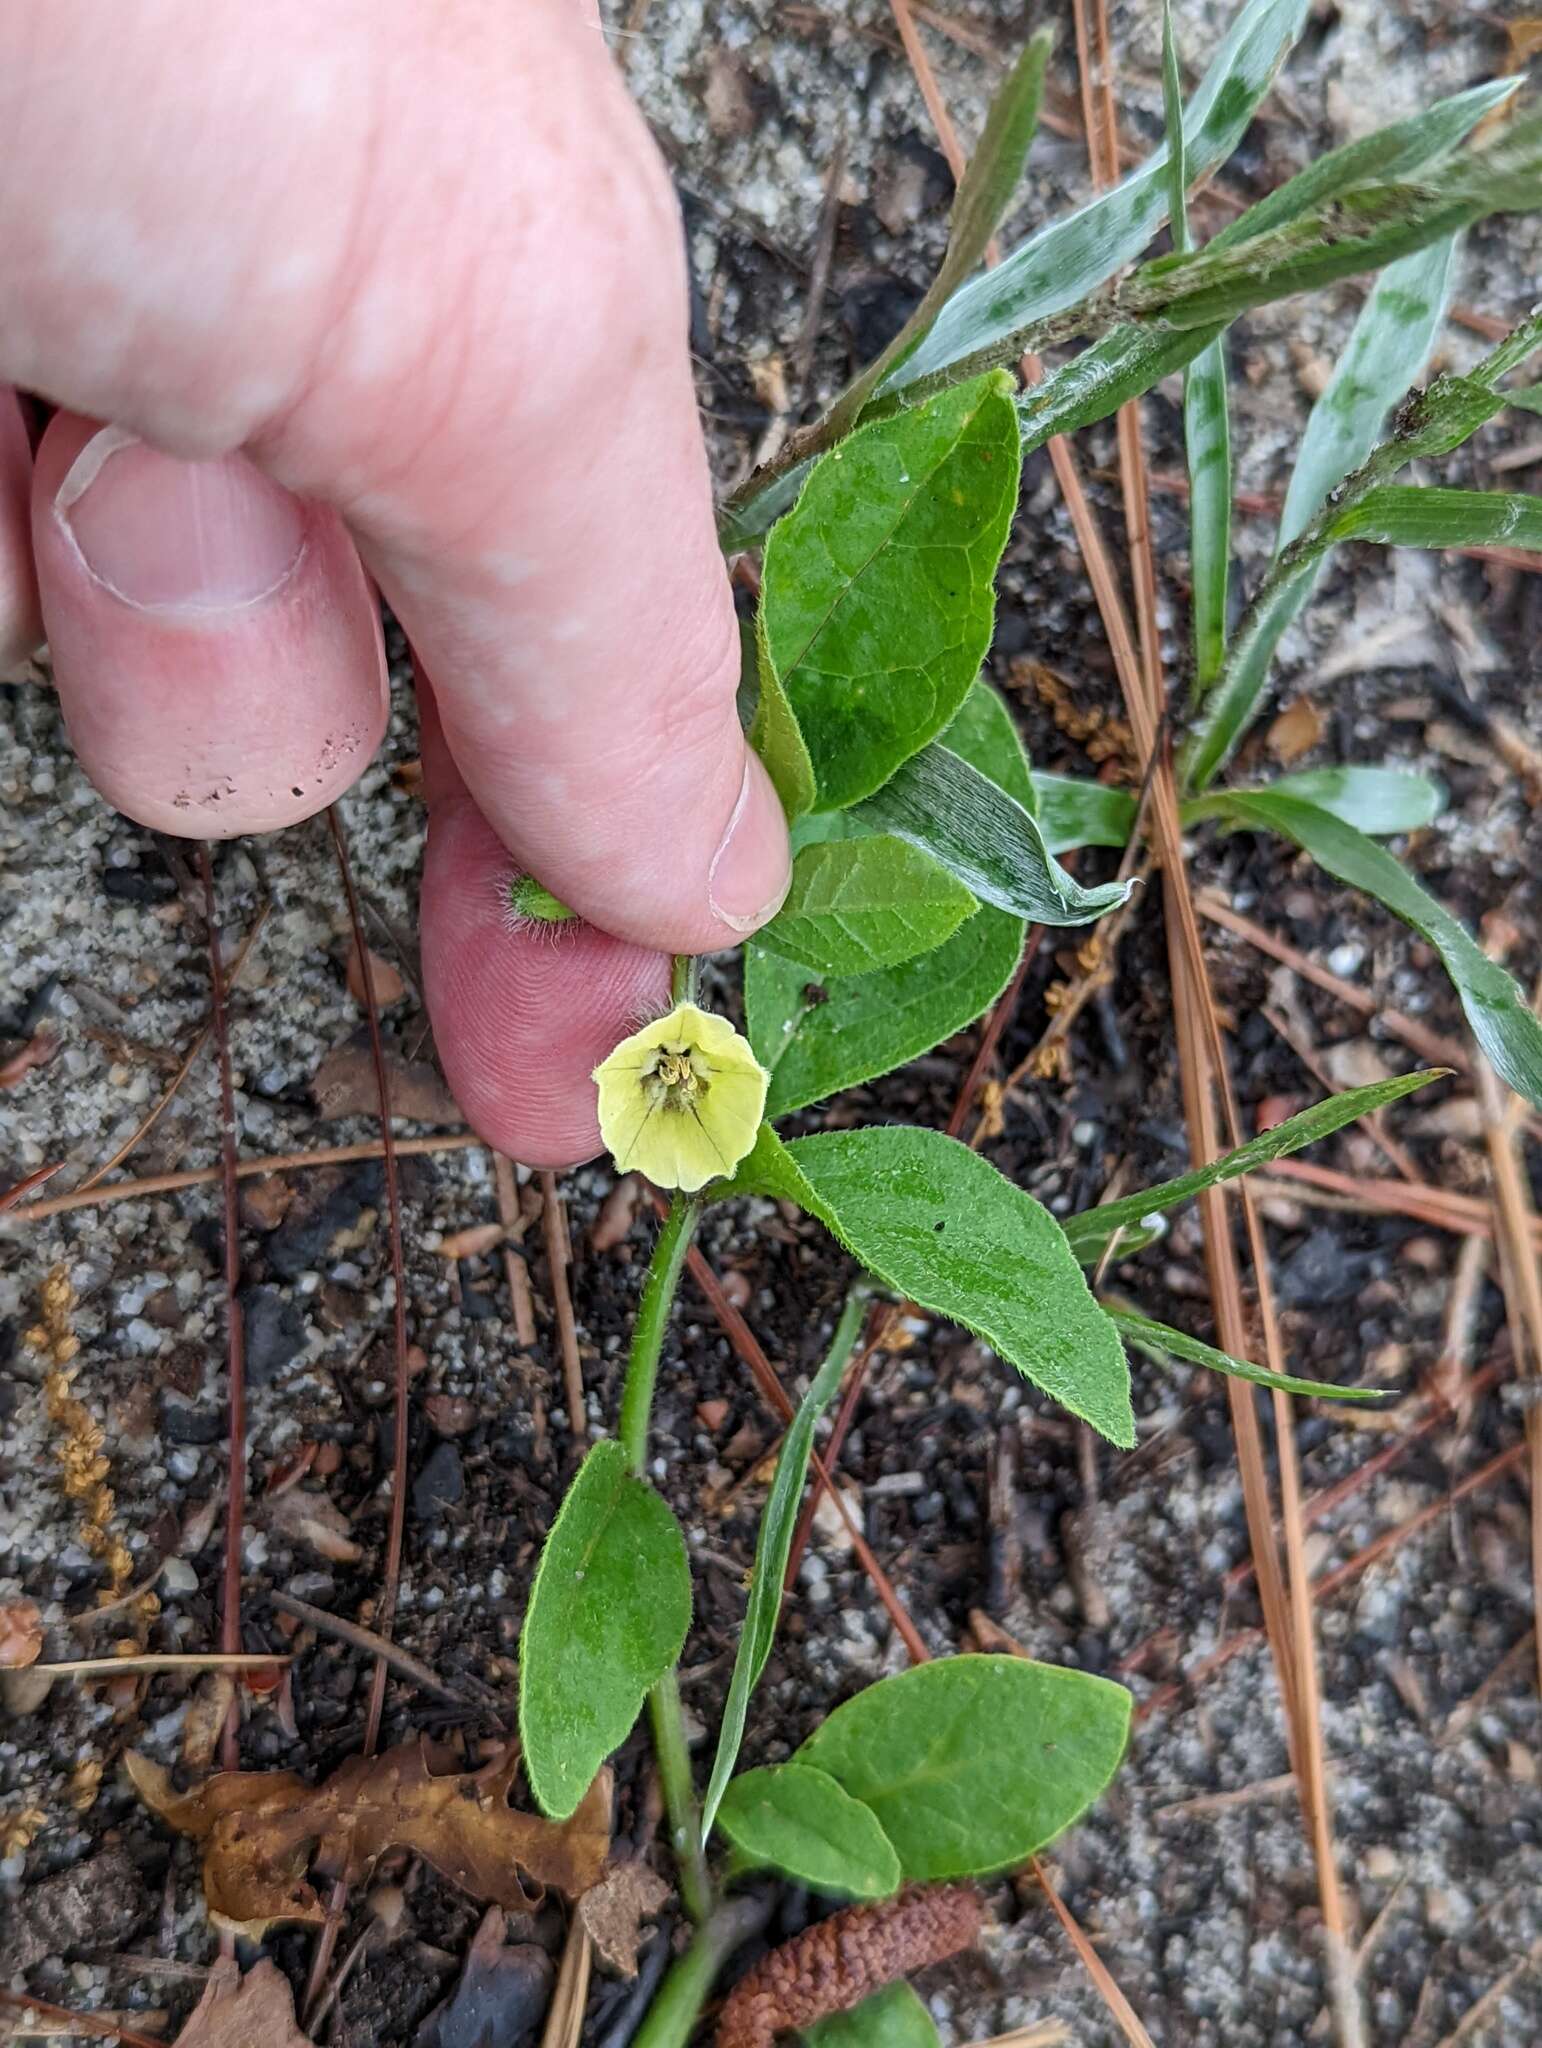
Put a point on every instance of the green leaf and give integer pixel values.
(773, 1545)
(1089, 1234)
(876, 593)
(1071, 256)
(1076, 812)
(776, 737)
(985, 735)
(992, 176)
(608, 1613)
(939, 1225)
(856, 905)
(891, 2018)
(1528, 399)
(960, 817)
(1130, 359)
(1374, 800)
(818, 1038)
(798, 1820)
(1497, 1012)
(972, 1764)
(1160, 1342)
(1414, 516)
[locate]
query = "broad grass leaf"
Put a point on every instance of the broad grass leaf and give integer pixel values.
(1496, 1009)
(938, 1224)
(1431, 516)
(1374, 800)
(1070, 257)
(876, 596)
(972, 1764)
(1157, 1340)
(608, 1613)
(941, 804)
(798, 1820)
(816, 1038)
(856, 905)
(773, 1545)
(891, 2018)
(1089, 1234)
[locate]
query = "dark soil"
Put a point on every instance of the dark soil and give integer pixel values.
(984, 1506)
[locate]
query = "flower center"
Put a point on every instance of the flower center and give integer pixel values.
(677, 1079)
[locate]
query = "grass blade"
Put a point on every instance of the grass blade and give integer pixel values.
(1090, 1233)
(1073, 256)
(1076, 812)
(1379, 801)
(1161, 1342)
(1497, 1011)
(772, 1545)
(1408, 516)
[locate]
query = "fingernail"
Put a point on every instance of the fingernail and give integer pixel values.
(165, 535)
(752, 868)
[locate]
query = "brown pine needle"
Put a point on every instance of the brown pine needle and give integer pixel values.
(1118, 2005)
(95, 2024)
(555, 1225)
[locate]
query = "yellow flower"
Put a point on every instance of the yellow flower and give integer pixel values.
(681, 1100)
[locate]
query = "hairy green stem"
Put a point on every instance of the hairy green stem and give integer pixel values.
(684, 978)
(673, 2014)
(658, 1298)
(669, 1746)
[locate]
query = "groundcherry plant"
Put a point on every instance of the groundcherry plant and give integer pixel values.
(925, 844)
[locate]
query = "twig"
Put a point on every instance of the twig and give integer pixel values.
(515, 1269)
(1228, 1802)
(554, 1225)
(370, 1643)
(235, 1353)
(246, 1169)
(80, 2022)
(200, 1039)
(1478, 2015)
(565, 2021)
(164, 1660)
(819, 269)
(1123, 2012)
(1461, 1717)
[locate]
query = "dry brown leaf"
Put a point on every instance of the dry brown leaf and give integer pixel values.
(472, 1242)
(242, 2012)
(387, 983)
(1296, 731)
(614, 1911)
(344, 1085)
(21, 1634)
(37, 1052)
(313, 1519)
(617, 1214)
(263, 1831)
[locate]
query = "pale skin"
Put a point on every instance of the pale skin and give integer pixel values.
(383, 294)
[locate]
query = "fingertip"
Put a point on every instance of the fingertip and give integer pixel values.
(21, 623)
(216, 644)
(522, 1013)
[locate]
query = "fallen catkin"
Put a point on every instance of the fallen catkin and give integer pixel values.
(834, 1966)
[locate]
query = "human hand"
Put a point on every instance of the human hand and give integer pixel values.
(399, 284)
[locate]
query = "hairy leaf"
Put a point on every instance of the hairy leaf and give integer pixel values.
(856, 905)
(1159, 1341)
(608, 1613)
(776, 737)
(1090, 1233)
(798, 1820)
(1076, 812)
(1497, 1011)
(972, 1764)
(960, 817)
(891, 2018)
(939, 1225)
(985, 735)
(876, 597)
(773, 1545)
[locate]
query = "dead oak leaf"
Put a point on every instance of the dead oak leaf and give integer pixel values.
(613, 1913)
(236, 2011)
(264, 1832)
(345, 1085)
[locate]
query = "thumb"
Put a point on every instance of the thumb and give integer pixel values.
(453, 307)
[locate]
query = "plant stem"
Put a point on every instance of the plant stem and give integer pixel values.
(683, 1993)
(669, 1746)
(684, 978)
(658, 1297)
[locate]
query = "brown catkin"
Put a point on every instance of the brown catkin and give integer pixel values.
(834, 1966)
